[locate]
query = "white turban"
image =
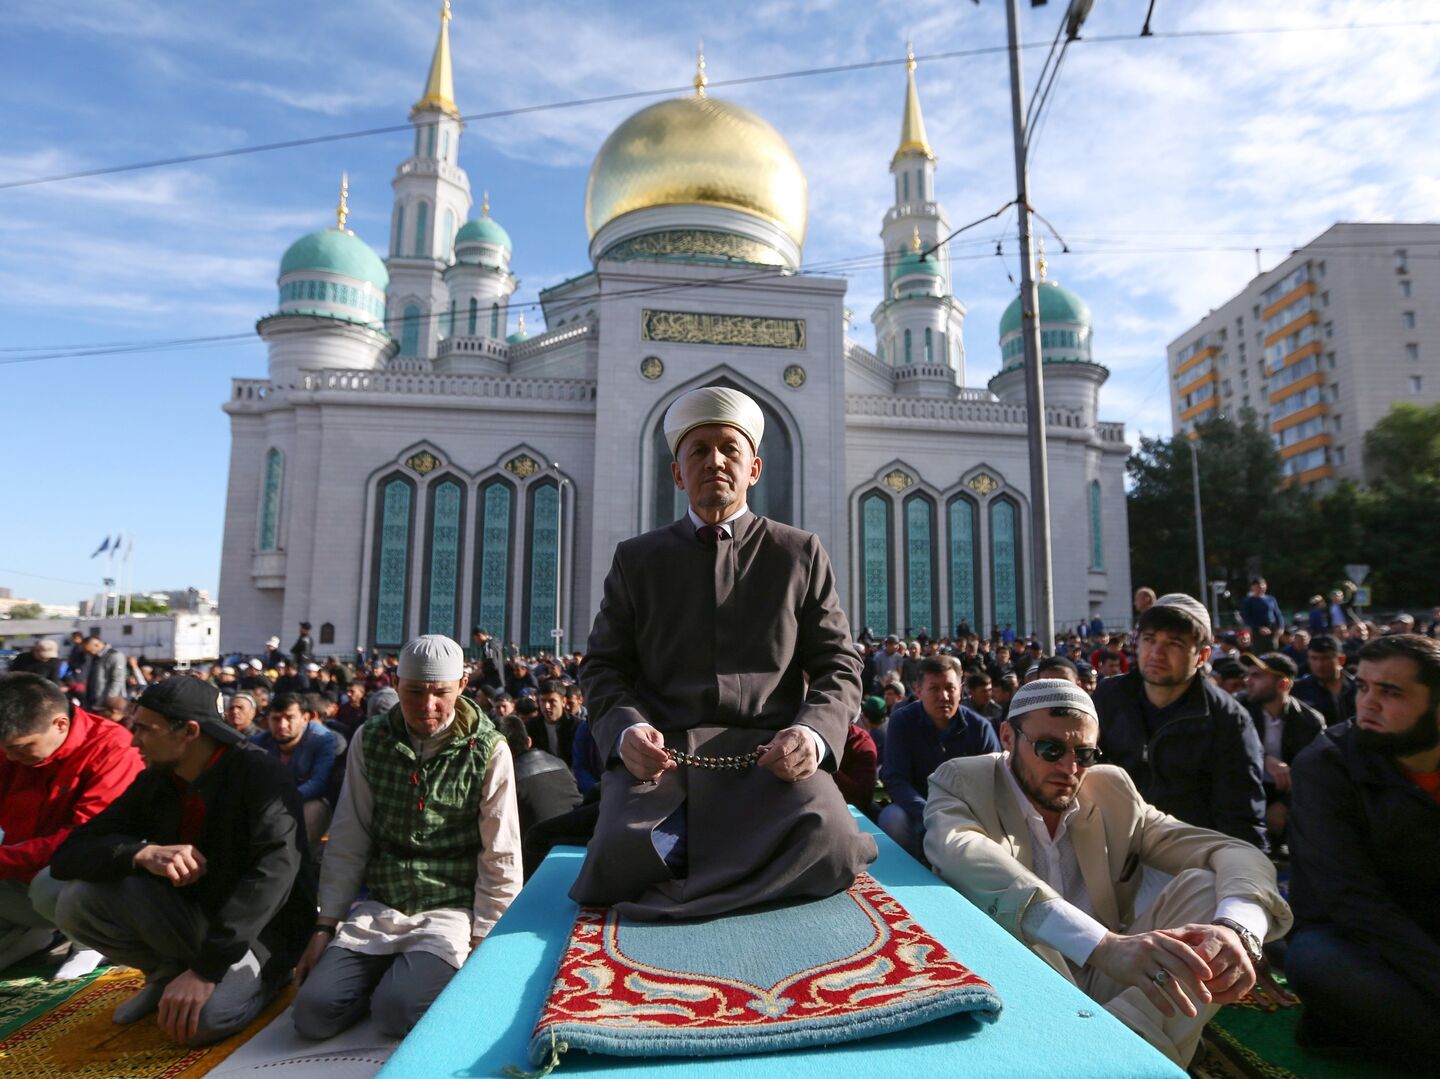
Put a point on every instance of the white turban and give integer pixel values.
(432, 658)
(714, 404)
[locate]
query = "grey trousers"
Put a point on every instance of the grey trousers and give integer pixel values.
(146, 923)
(395, 989)
(26, 907)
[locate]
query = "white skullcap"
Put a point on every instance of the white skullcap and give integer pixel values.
(1046, 693)
(714, 404)
(1193, 610)
(273, 642)
(432, 658)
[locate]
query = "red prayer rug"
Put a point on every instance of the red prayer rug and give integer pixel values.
(781, 977)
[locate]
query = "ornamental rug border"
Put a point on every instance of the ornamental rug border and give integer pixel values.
(605, 1001)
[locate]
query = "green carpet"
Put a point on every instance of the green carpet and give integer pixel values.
(1260, 1043)
(27, 990)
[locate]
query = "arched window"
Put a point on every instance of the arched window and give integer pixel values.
(430, 140)
(944, 354)
(410, 331)
(419, 133)
(422, 229)
(929, 345)
(772, 497)
(920, 184)
(447, 323)
(447, 238)
(474, 311)
(494, 524)
(920, 572)
(964, 535)
(270, 500)
(905, 187)
(397, 247)
(907, 346)
(390, 559)
(1097, 537)
(494, 320)
(327, 633)
(875, 562)
(542, 564)
(445, 527)
(444, 146)
(1005, 564)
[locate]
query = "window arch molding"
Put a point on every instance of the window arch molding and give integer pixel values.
(900, 485)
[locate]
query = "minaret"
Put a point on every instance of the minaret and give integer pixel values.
(432, 199)
(480, 285)
(918, 325)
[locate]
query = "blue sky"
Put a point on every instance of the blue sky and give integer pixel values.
(1164, 162)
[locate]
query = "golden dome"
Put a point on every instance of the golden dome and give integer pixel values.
(697, 151)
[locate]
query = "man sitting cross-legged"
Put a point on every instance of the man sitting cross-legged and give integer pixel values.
(427, 823)
(196, 875)
(1052, 847)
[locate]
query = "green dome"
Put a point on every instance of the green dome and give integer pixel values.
(914, 262)
(483, 230)
(337, 252)
(1056, 305)
(516, 337)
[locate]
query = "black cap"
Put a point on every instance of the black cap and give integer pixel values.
(1277, 663)
(187, 697)
(1324, 643)
(1228, 668)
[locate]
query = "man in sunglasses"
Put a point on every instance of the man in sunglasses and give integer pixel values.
(1052, 845)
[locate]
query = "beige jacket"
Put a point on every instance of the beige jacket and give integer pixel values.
(977, 839)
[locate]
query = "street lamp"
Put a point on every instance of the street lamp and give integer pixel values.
(559, 631)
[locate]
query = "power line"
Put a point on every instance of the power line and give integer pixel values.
(633, 95)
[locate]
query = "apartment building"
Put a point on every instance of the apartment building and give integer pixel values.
(1320, 347)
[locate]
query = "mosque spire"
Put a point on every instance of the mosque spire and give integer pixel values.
(700, 80)
(912, 124)
(440, 85)
(485, 205)
(342, 208)
(1042, 265)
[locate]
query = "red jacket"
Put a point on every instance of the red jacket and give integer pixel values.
(856, 775)
(41, 803)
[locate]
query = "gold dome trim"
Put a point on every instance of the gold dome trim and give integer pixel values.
(697, 151)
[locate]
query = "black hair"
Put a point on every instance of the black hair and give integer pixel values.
(1423, 651)
(553, 685)
(516, 737)
(1170, 620)
(27, 703)
(1056, 663)
(282, 701)
(980, 678)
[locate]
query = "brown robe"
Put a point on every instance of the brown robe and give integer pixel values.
(713, 646)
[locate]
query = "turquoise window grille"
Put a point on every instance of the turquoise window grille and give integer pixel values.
(444, 146)
(397, 247)
(474, 312)
(904, 187)
(422, 229)
(492, 572)
(1097, 537)
(270, 500)
(1005, 575)
(544, 558)
(929, 345)
(442, 594)
(429, 140)
(875, 562)
(963, 528)
(447, 238)
(920, 565)
(392, 562)
(907, 346)
(410, 331)
(494, 320)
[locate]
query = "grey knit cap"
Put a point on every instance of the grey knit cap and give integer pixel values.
(1192, 609)
(432, 658)
(1046, 693)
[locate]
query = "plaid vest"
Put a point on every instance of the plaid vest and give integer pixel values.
(425, 828)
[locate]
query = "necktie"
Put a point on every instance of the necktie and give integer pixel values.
(710, 535)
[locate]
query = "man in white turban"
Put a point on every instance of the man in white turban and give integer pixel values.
(427, 823)
(721, 679)
(1053, 845)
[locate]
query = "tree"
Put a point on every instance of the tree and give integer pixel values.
(26, 610)
(1402, 456)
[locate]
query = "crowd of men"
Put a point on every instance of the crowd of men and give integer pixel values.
(1119, 802)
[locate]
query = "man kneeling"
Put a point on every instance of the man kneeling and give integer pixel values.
(1052, 848)
(427, 823)
(196, 874)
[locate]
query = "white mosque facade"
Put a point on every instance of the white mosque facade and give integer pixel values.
(415, 462)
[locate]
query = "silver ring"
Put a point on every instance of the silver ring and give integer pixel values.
(1160, 977)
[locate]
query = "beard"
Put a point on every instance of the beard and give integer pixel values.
(1054, 804)
(1420, 738)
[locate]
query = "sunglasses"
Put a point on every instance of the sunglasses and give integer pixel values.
(1050, 751)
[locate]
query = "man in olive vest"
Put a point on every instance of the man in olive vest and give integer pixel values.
(427, 823)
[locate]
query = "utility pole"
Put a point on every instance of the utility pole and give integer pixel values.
(1040, 574)
(1194, 439)
(559, 631)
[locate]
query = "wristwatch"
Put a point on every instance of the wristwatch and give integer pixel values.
(1248, 940)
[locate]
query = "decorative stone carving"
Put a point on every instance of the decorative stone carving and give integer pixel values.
(523, 467)
(983, 483)
(695, 328)
(652, 367)
(898, 480)
(423, 462)
(794, 376)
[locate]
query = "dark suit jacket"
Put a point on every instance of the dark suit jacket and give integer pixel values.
(535, 728)
(688, 636)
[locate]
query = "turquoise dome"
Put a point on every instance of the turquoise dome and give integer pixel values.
(516, 337)
(483, 230)
(1056, 305)
(914, 262)
(337, 252)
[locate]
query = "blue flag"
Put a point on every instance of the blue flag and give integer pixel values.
(102, 548)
